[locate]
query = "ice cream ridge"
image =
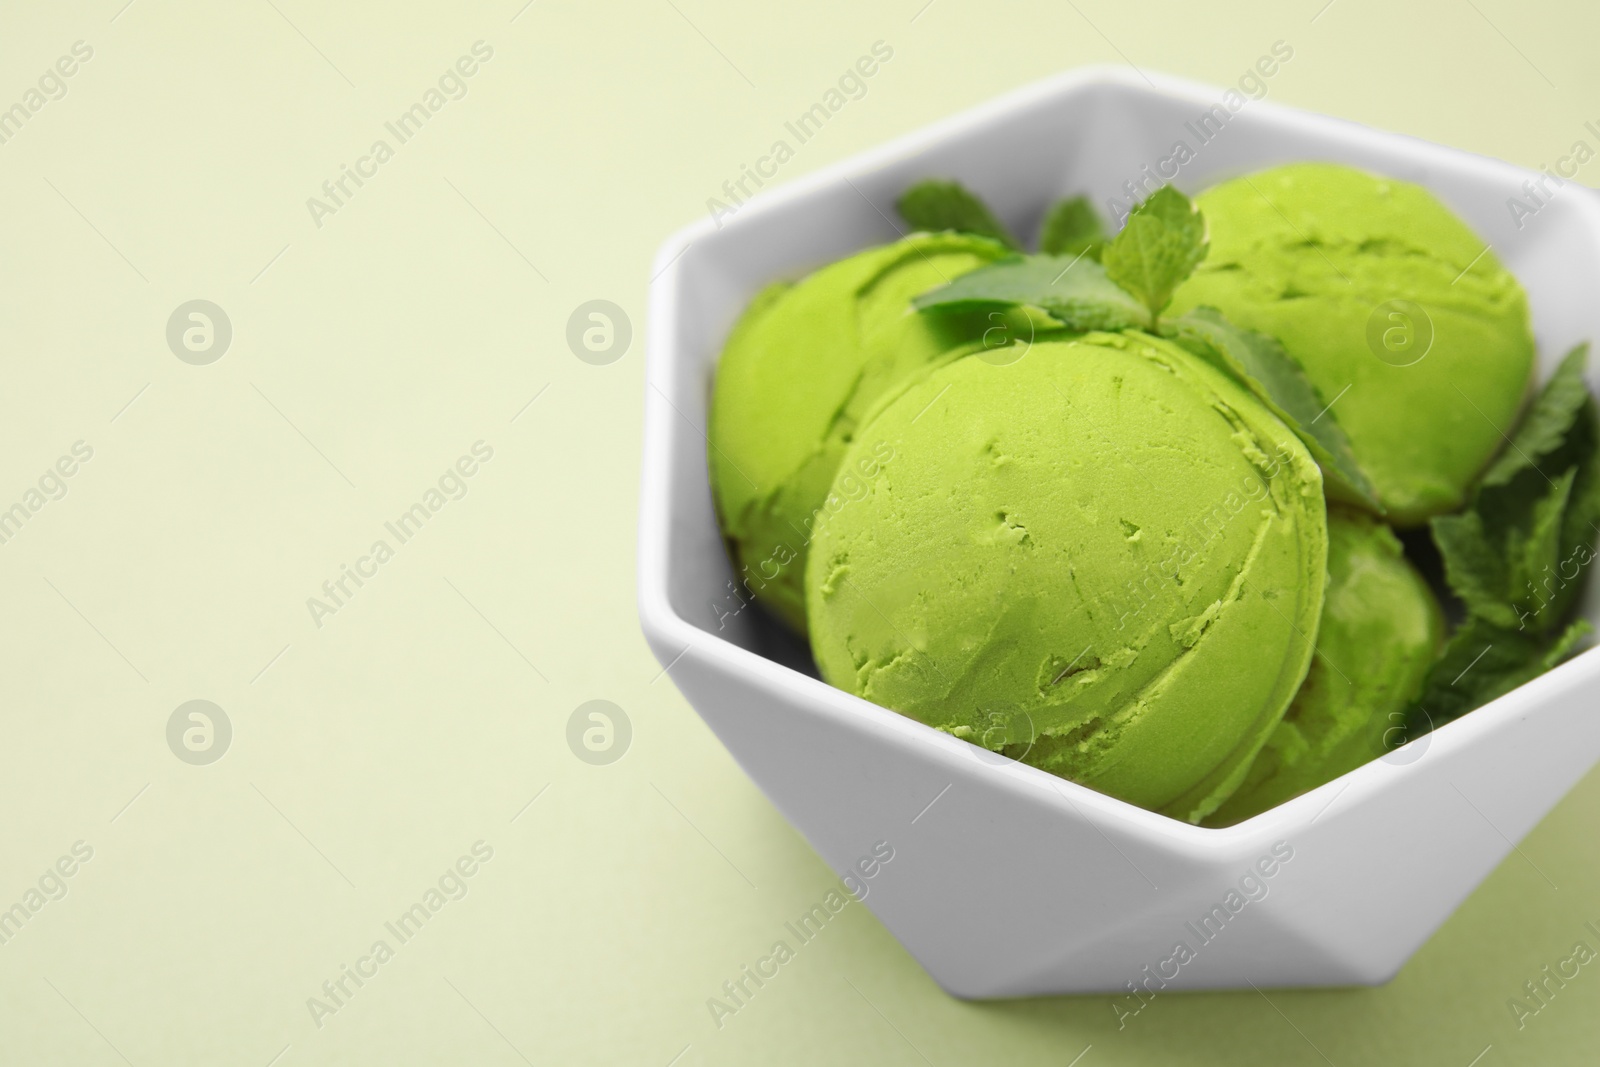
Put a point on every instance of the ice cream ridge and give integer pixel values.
(798, 373)
(1105, 559)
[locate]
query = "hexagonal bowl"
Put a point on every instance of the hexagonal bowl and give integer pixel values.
(1007, 881)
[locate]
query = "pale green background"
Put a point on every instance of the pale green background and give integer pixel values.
(378, 748)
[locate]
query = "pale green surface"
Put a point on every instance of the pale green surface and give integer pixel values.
(405, 729)
(1068, 558)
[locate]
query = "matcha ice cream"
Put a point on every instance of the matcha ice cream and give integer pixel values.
(1381, 630)
(1106, 559)
(796, 376)
(1399, 313)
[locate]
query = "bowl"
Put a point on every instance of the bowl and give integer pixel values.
(1006, 881)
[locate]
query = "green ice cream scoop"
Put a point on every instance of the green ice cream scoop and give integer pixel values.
(798, 372)
(1105, 559)
(1381, 629)
(1400, 314)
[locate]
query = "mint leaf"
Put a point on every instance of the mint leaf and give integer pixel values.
(1482, 662)
(1547, 422)
(1475, 571)
(1073, 290)
(1162, 242)
(1497, 564)
(1581, 524)
(1071, 227)
(1518, 555)
(1536, 551)
(936, 205)
(1260, 363)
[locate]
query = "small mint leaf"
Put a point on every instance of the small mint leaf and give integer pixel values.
(1475, 569)
(1537, 551)
(1482, 662)
(1518, 555)
(935, 205)
(1581, 523)
(1548, 421)
(1162, 242)
(1073, 290)
(1071, 227)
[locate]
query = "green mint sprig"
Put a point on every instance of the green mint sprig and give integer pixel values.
(1517, 557)
(1482, 662)
(1514, 556)
(1131, 285)
(1074, 291)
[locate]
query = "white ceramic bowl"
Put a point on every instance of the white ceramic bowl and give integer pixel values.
(1007, 881)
